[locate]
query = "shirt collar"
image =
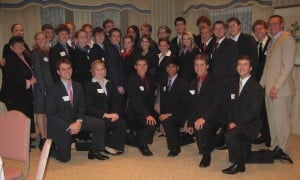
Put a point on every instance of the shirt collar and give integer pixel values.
(221, 40)
(277, 35)
(264, 42)
(245, 80)
(236, 38)
(173, 79)
(65, 83)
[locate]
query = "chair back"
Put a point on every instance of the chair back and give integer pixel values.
(43, 160)
(15, 137)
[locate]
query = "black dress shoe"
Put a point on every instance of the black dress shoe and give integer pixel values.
(233, 169)
(258, 140)
(174, 152)
(97, 155)
(223, 147)
(205, 161)
(144, 149)
(279, 154)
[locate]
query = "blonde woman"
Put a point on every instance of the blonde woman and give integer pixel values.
(40, 62)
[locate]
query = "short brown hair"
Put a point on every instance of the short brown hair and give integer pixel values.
(202, 57)
(63, 61)
(203, 19)
(259, 22)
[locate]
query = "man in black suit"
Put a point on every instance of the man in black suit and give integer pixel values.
(246, 98)
(246, 43)
(65, 110)
(98, 50)
(176, 42)
(202, 22)
(173, 93)
(60, 50)
(207, 42)
(204, 103)
(222, 66)
(260, 29)
(141, 115)
(107, 25)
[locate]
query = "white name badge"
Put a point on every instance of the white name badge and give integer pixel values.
(100, 91)
(62, 53)
(103, 59)
(66, 98)
(165, 88)
(142, 88)
(192, 92)
(46, 59)
(232, 96)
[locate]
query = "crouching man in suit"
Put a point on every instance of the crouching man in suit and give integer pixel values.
(245, 98)
(65, 109)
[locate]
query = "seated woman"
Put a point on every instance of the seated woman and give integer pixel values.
(101, 103)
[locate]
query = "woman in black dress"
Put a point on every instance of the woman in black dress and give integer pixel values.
(101, 102)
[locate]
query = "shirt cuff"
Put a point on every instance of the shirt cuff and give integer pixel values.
(28, 84)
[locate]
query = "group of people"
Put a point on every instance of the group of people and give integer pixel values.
(213, 85)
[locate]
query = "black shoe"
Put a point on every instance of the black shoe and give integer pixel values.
(279, 154)
(223, 147)
(174, 152)
(41, 144)
(258, 140)
(233, 169)
(97, 155)
(144, 149)
(205, 161)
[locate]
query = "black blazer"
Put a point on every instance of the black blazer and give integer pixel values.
(140, 101)
(115, 66)
(81, 63)
(161, 70)
(152, 60)
(186, 64)
(205, 104)
(15, 73)
(129, 62)
(223, 64)
(97, 53)
(262, 60)
(56, 53)
(6, 50)
(60, 113)
(209, 48)
(245, 110)
(247, 46)
(174, 46)
(97, 102)
(174, 100)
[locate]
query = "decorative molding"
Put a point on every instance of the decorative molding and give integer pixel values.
(232, 4)
(60, 3)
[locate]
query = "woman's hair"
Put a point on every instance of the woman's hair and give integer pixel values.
(193, 44)
(15, 39)
(95, 63)
(35, 45)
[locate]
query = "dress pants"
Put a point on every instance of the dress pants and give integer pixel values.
(115, 133)
(279, 117)
(144, 132)
(62, 148)
(239, 145)
(172, 126)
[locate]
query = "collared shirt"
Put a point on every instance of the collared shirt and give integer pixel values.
(221, 40)
(208, 41)
(65, 83)
(277, 35)
(243, 82)
(161, 56)
(172, 79)
(179, 39)
(102, 84)
(264, 42)
(101, 45)
(65, 46)
(236, 38)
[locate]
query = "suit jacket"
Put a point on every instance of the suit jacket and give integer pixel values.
(262, 59)
(205, 104)
(97, 102)
(209, 48)
(186, 64)
(140, 101)
(223, 64)
(129, 62)
(114, 65)
(41, 66)
(245, 109)
(175, 47)
(278, 70)
(60, 113)
(174, 100)
(152, 60)
(56, 53)
(97, 53)
(161, 70)
(247, 46)
(6, 50)
(81, 63)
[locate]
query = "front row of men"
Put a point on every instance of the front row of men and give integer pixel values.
(198, 102)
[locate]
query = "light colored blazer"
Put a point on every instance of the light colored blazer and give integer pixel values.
(279, 65)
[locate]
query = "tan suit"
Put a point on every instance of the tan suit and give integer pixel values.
(278, 73)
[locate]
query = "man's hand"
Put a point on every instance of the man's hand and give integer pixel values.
(112, 116)
(199, 124)
(32, 81)
(150, 120)
(273, 93)
(121, 90)
(231, 125)
(2, 62)
(190, 130)
(163, 117)
(75, 127)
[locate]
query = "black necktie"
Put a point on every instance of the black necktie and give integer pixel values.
(260, 50)
(169, 84)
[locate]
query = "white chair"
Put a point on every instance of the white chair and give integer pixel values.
(43, 160)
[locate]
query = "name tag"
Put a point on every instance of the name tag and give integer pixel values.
(62, 53)
(100, 91)
(192, 92)
(46, 59)
(103, 59)
(142, 88)
(66, 98)
(164, 88)
(232, 96)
